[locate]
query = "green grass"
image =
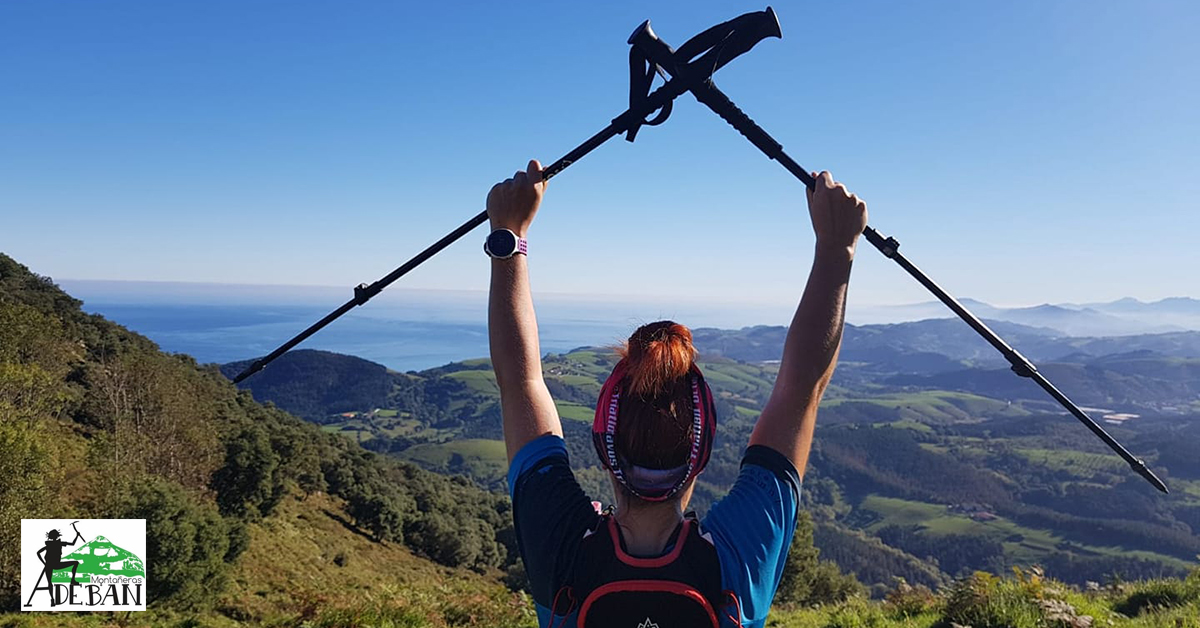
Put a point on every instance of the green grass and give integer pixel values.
(581, 381)
(936, 406)
(1079, 463)
(731, 381)
(1034, 544)
(570, 411)
(749, 413)
(482, 449)
(334, 577)
(478, 381)
(747, 375)
(906, 424)
(938, 520)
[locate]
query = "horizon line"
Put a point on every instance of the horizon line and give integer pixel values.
(583, 296)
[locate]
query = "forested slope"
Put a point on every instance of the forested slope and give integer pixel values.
(96, 422)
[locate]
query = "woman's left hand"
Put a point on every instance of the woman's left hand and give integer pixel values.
(512, 203)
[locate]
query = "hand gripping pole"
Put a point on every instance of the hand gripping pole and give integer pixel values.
(641, 105)
(680, 65)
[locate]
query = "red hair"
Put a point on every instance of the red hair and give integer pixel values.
(655, 417)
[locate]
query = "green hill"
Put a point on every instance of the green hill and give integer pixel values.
(252, 515)
(313, 384)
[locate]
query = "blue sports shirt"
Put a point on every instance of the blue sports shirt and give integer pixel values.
(751, 527)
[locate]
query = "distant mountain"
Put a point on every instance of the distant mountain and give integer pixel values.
(1171, 305)
(948, 337)
(941, 345)
(1083, 322)
(1126, 316)
(1142, 372)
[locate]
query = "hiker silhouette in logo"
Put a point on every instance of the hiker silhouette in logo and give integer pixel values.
(647, 561)
(52, 558)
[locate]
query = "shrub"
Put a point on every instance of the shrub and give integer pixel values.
(1025, 601)
(370, 616)
(186, 544)
(857, 613)
(907, 601)
(1150, 595)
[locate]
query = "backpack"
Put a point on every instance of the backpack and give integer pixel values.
(612, 589)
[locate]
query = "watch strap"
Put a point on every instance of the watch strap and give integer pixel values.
(522, 245)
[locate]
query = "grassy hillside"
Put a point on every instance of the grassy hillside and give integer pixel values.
(245, 504)
(305, 565)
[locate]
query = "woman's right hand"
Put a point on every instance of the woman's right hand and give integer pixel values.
(838, 217)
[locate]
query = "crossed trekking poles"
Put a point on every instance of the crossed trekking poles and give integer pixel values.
(690, 69)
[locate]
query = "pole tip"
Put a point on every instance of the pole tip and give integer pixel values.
(1145, 472)
(255, 367)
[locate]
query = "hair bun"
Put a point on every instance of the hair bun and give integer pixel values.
(657, 355)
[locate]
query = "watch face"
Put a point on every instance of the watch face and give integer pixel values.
(502, 243)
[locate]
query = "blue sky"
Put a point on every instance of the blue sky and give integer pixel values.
(1022, 152)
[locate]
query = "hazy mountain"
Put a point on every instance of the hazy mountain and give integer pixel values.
(903, 343)
(911, 347)
(1121, 317)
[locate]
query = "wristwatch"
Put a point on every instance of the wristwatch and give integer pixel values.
(503, 244)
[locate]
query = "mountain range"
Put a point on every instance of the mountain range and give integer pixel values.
(1127, 316)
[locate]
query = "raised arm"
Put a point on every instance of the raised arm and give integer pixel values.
(810, 351)
(525, 402)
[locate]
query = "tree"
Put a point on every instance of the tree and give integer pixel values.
(806, 579)
(187, 542)
(248, 484)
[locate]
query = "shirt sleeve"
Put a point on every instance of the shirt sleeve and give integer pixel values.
(752, 528)
(550, 514)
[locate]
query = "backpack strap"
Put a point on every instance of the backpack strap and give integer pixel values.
(659, 561)
(733, 601)
(570, 600)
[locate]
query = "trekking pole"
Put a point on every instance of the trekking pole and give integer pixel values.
(678, 65)
(642, 103)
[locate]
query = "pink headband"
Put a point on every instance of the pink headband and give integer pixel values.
(653, 484)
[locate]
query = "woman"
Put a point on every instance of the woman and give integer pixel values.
(645, 563)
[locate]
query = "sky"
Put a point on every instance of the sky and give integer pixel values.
(1022, 152)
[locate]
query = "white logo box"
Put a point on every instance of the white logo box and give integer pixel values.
(108, 557)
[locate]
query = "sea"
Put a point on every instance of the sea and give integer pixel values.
(405, 330)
